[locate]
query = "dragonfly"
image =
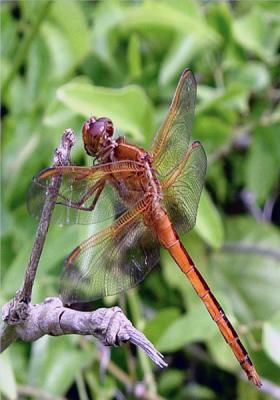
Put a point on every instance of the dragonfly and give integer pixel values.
(150, 197)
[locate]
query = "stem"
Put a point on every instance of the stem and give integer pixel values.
(251, 248)
(67, 142)
(137, 321)
(26, 390)
(26, 42)
(81, 387)
(118, 373)
(126, 380)
(130, 360)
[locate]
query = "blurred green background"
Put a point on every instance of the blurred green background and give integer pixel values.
(63, 61)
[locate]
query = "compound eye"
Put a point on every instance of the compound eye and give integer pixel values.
(109, 129)
(97, 129)
(88, 125)
(93, 132)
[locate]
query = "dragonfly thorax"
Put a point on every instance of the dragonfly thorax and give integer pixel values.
(153, 185)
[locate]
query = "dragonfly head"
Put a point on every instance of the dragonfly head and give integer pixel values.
(97, 133)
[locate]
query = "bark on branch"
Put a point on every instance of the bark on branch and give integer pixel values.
(109, 325)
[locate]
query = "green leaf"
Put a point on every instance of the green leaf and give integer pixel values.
(104, 389)
(220, 18)
(253, 32)
(59, 48)
(247, 268)
(7, 379)
(265, 366)
(222, 353)
(104, 33)
(171, 379)
(134, 57)
(15, 97)
(254, 76)
(192, 327)
(9, 39)
(217, 178)
(69, 16)
(213, 132)
(157, 15)
(271, 338)
(66, 36)
(183, 50)
(275, 116)
(159, 323)
(232, 97)
(129, 108)
(58, 245)
(209, 225)
(262, 166)
(39, 72)
(55, 362)
(199, 392)
(58, 116)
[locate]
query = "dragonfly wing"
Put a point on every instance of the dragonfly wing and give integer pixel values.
(81, 187)
(183, 186)
(173, 137)
(111, 261)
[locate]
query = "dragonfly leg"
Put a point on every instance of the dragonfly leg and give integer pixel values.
(96, 197)
(98, 187)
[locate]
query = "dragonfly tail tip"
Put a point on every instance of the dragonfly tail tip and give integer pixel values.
(255, 379)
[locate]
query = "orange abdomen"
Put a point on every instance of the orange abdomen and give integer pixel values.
(170, 241)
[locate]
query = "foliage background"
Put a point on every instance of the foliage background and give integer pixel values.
(63, 61)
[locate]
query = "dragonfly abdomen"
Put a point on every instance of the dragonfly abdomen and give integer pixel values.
(170, 240)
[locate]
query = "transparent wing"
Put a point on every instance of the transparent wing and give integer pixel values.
(112, 261)
(173, 137)
(183, 186)
(86, 195)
